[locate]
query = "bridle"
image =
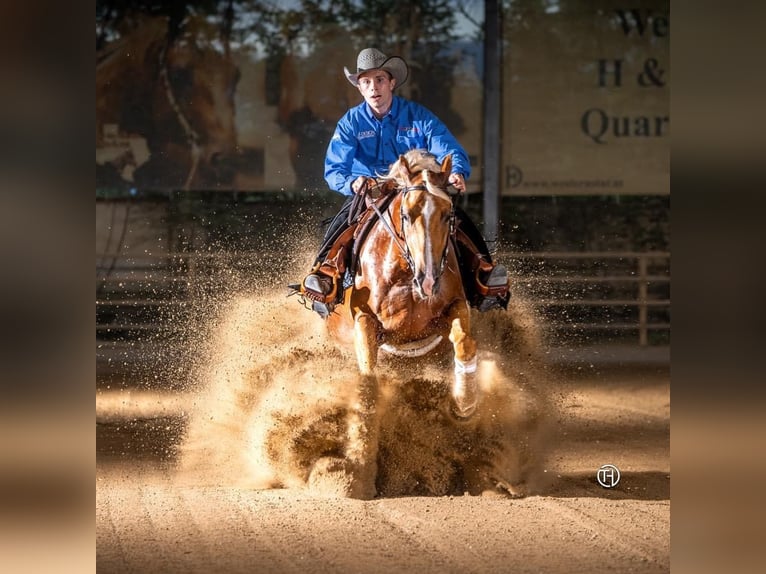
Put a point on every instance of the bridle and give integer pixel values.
(401, 240)
(192, 137)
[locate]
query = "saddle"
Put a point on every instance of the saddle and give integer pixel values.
(342, 260)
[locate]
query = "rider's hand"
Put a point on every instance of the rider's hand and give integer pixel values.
(457, 181)
(358, 184)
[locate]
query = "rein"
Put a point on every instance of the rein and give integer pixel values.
(403, 248)
(191, 136)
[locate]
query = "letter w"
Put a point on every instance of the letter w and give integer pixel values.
(637, 21)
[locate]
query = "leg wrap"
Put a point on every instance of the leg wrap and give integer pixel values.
(466, 368)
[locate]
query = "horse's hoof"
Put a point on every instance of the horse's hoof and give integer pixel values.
(464, 413)
(335, 477)
(511, 490)
(361, 492)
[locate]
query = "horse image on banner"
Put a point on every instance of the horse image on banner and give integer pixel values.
(165, 109)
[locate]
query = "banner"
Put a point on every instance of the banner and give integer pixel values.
(586, 99)
(238, 100)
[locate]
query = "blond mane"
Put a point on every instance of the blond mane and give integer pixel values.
(419, 161)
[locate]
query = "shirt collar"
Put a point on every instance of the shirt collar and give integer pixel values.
(391, 111)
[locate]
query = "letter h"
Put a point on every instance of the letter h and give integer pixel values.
(603, 70)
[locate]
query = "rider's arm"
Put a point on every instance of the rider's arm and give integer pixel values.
(340, 157)
(441, 142)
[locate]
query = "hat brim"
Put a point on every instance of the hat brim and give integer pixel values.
(394, 65)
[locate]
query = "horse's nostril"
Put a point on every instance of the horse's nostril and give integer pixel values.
(215, 158)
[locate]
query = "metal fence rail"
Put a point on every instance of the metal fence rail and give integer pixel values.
(598, 286)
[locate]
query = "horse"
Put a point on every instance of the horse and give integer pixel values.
(165, 109)
(407, 299)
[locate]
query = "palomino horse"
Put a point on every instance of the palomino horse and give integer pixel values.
(407, 298)
(176, 97)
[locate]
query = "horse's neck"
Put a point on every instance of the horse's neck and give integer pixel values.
(392, 234)
(149, 34)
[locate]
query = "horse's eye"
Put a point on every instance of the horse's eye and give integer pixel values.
(405, 217)
(181, 78)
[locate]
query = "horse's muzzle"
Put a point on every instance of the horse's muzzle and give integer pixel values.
(426, 284)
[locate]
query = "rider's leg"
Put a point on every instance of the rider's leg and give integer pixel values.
(337, 225)
(486, 282)
(322, 285)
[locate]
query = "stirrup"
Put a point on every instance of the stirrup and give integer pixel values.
(493, 302)
(313, 289)
(320, 286)
(495, 293)
(498, 277)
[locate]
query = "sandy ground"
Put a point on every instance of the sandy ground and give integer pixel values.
(154, 515)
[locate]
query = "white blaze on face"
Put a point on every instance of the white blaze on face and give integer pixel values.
(426, 237)
(429, 263)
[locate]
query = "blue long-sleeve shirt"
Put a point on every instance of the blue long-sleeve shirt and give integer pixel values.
(365, 145)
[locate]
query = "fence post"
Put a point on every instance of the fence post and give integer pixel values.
(643, 319)
(492, 144)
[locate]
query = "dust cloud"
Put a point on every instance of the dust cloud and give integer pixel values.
(270, 409)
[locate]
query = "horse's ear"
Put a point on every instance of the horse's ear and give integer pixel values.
(447, 164)
(400, 168)
(387, 186)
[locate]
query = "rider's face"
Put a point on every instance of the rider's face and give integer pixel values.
(377, 87)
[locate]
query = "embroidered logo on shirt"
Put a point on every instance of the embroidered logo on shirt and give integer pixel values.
(365, 134)
(409, 131)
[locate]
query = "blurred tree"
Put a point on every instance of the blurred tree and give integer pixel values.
(420, 31)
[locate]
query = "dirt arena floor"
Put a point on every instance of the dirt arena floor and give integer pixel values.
(193, 482)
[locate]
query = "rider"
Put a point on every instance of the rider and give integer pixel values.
(367, 140)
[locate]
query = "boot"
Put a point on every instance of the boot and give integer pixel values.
(485, 283)
(322, 285)
(322, 290)
(493, 288)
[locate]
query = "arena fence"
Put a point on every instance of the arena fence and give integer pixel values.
(144, 301)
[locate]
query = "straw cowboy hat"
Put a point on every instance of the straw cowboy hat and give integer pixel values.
(372, 59)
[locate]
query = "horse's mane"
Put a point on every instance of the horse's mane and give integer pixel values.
(135, 43)
(418, 160)
(421, 160)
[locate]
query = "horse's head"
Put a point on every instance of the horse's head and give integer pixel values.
(426, 215)
(176, 91)
(202, 80)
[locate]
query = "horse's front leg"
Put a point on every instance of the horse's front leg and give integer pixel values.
(366, 343)
(465, 386)
(363, 418)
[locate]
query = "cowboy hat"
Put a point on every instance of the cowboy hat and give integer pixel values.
(372, 59)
